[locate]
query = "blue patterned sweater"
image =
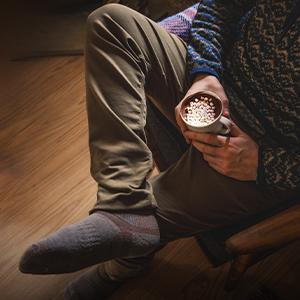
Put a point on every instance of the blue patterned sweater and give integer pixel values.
(262, 68)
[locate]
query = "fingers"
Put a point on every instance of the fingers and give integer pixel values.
(207, 138)
(207, 150)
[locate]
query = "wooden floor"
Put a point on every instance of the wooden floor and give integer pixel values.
(45, 184)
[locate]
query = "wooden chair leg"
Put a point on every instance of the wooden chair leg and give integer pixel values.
(238, 267)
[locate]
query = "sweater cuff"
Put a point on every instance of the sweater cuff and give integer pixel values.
(198, 70)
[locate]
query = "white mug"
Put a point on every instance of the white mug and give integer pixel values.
(217, 125)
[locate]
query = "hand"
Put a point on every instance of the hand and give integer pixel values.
(235, 156)
(203, 81)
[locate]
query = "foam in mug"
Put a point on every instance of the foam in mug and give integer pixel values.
(202, 112)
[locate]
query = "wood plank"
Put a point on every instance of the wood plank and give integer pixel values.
(45, 184)
(45, 181)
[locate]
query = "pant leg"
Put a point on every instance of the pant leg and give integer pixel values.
(127, 55)
(193, 198)
(125, 268)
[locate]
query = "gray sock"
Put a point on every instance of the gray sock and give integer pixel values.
(100, 237)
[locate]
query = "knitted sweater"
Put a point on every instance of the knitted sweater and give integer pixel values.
(262, 66)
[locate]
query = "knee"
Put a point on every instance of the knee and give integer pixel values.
(97, 15)
(99, 25)
(112, 11)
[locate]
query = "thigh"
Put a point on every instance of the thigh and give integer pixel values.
(193, 198)
(127, 55)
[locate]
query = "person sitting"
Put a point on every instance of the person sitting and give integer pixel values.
(220, 179)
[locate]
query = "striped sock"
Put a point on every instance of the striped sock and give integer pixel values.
(100, 237)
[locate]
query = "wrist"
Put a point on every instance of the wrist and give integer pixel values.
(203, 76)
(208, 82)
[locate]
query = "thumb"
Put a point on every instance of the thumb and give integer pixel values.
(226, 113)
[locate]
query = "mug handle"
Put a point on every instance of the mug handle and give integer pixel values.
(227, 124)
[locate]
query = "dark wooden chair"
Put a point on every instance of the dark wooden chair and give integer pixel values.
(244, 243)
(262, 239)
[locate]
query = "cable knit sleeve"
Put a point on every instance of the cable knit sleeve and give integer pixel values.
(212, 30)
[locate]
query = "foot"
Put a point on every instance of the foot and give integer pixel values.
(100, 237)
(90, 286)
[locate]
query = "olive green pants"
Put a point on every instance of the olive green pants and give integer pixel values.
(128, 57)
